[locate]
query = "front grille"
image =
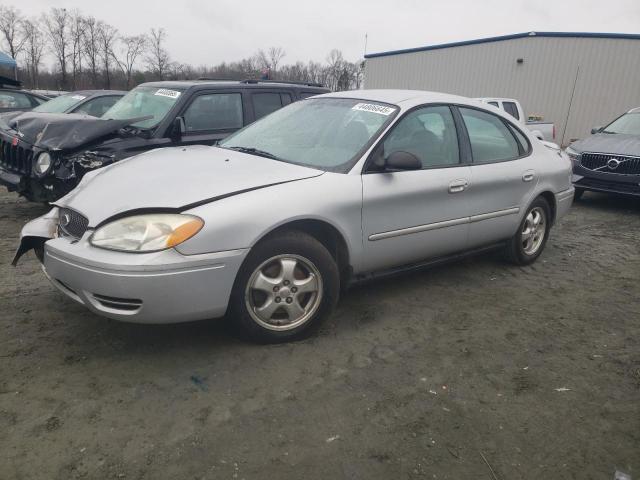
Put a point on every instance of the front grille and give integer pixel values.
(15, 158)
(72, 223)
(618, 164)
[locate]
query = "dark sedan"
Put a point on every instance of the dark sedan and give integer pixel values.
(609, 160)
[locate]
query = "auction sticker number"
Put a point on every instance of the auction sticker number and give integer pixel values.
(164, 92)
(373, 108)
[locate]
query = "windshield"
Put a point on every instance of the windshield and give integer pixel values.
(142, 102)
(628, 124)
(60, 104)
(323, 133)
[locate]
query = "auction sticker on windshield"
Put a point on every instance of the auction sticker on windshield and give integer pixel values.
(78, 97)
(372, 107)
(164, 92)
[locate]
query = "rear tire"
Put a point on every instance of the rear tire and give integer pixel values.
(288, 284)
(577, 195)
(530, 239)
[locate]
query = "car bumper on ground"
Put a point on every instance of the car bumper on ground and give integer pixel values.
(159, 287)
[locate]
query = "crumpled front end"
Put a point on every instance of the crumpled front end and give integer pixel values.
(35, 233)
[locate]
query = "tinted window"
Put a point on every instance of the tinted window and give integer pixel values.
(14, 100)
(265, 103)
(511, 109)
(286, 99)
(97, 107)
(217, 111)
(524, 144)
(429, 133)
(495, 104)
(490, 138)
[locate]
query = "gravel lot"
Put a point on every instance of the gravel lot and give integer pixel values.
(471, 370)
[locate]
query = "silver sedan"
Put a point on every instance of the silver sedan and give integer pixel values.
(271, 225)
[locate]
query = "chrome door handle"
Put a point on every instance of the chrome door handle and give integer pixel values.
(528, 176)
(458, 186)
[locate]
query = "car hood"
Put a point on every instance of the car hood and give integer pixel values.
(175, 179)
(614, 144)
(59, 131)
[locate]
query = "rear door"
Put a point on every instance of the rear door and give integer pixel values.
(263, 101)
(210, 116)
(503, 176)
(408, 216)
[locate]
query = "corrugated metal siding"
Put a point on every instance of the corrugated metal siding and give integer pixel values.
(606, 74)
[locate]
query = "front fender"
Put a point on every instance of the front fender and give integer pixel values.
(35, 233)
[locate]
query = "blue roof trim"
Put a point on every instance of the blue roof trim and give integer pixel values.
(624, 36)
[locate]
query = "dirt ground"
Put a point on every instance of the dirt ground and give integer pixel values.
(470, 370)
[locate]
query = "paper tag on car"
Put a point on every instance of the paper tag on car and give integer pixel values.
(373, 108)
(164, 92)
(78, 97)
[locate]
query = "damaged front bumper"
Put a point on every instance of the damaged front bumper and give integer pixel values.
(35, 233)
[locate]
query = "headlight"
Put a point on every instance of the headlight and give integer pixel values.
(573, 155)
(147, 233)
(43, 164)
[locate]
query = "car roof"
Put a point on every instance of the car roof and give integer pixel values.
(97, 93)
(207, 83)
(634, 110)
(404, 98)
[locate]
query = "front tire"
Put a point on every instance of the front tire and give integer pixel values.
(286, 286)
(527, 244)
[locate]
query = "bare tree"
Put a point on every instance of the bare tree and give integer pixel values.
(56, 24)
(132, 48)
(91, 47)
(76, 35)
(10, 28)
(157, 57)
(107, 36)
(34, 48)
(275, 56)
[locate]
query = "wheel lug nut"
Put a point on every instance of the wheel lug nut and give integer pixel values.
(278, 299)
(289, 299)
(276, 288)
(286, 282)
(294, 289)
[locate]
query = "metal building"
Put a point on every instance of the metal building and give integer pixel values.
(576, 80)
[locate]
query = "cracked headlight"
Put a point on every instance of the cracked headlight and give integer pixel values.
(146, 233)
(43, 164)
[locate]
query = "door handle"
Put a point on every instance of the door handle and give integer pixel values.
(528, 176)
(458, 186)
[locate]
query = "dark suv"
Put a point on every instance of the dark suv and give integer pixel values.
(44, 156)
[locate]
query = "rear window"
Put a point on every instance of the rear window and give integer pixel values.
(512, 109)
(265, 103)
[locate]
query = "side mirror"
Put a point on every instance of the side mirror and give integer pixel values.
(595, 130)
(177, 130)
(402, 161)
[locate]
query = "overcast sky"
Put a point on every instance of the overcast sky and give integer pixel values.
(210, 31)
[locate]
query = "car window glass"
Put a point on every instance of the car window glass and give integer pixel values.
(495, 104)
(490, 138)
(265, 103)
(429, 133)
(217, 111)
(14, 100)
(97, 107)
(286, 98)
(511, 109)
(524, 144)
(628, 124)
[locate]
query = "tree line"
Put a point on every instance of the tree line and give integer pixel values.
(89, 53)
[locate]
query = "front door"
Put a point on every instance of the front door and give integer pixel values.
(408, 216)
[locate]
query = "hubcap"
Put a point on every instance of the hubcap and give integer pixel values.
(284, 292)
(535, 226)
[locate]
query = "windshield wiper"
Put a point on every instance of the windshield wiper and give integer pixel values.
(255, 151)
